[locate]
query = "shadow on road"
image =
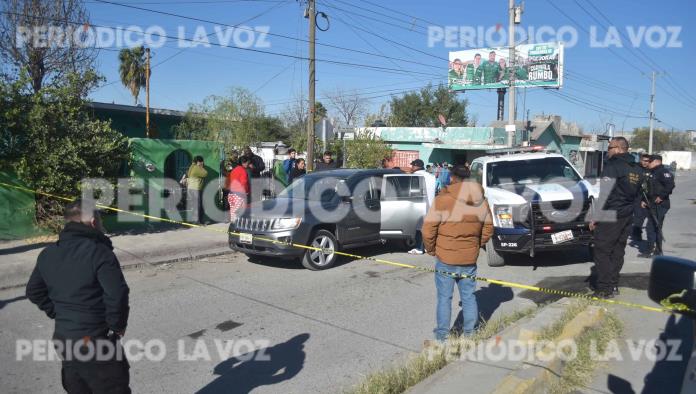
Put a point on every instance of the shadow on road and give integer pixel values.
(580, 284)
(3, 303)
(263, 367)
(551, 259)
(489, 298)
(667, 375)
(23, 248)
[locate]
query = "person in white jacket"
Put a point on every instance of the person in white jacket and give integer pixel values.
(418, 167)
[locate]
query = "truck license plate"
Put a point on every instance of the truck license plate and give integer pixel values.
(245, 238)
(562, 236)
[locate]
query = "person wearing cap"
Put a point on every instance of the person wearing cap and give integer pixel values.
(454, 230)
(660, 186)
(640, 213)
(418, 167)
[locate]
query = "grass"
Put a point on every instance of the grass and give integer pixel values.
(554, 331)
(398, 379)
(578, 371)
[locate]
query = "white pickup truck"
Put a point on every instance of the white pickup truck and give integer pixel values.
(538, 202)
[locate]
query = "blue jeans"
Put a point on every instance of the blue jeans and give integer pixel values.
(445, 288)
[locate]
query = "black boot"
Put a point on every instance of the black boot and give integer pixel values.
(648, 253)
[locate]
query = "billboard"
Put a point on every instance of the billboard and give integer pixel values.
(489, 68)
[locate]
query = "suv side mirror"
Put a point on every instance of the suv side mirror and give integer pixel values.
(673, 279)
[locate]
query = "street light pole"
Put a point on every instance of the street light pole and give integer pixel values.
(652, 114)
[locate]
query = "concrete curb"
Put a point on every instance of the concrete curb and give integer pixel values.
(509, 376)
(536, 377)
(19, 276)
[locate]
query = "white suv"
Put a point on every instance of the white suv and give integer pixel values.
(538, 202)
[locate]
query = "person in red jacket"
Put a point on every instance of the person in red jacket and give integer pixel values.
(238, 185)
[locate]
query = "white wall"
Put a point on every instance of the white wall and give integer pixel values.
(684, 159)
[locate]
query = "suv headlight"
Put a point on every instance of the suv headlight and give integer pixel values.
(286, 223)
(503, 216)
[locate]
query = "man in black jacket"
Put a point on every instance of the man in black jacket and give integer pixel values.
(660, 186)
(78, 282)
(619, 189)
(326, 163)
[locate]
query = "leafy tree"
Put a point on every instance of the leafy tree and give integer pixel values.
(50, 141)
(364, 151)
(662, 140)
(43, 63)
(421, 108)
(295, 120)
(132, 70)
(236, 120)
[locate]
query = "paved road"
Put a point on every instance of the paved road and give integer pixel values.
(322, 330)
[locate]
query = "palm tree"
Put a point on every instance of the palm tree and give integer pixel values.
(132, 70)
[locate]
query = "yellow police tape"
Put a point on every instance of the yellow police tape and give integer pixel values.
(680, 309)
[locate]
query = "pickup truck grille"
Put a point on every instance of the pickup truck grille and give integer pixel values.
(558, 214)
(246, 223)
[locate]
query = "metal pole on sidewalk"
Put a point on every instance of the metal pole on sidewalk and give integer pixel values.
(311, 7)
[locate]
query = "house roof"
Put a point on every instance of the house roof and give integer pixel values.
(133, 108)
(537, 127)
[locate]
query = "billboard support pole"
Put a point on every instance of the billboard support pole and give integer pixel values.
(511, 42)
(501, 104)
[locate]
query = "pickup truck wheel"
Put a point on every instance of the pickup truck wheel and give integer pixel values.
(495, 259)
(321, 259)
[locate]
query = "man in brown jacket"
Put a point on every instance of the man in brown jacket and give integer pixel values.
(454, 229)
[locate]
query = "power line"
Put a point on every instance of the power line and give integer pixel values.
(587, 32)
(335, 62)
(252, 30)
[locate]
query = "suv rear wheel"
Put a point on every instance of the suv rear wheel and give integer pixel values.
(495, 259)
(321, 259)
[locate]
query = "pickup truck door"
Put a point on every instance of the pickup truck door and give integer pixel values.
(403, 205)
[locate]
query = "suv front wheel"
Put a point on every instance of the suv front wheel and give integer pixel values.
(325, 257)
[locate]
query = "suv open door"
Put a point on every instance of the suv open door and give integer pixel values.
(403, 206)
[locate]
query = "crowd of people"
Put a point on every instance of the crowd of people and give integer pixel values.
(78, 280)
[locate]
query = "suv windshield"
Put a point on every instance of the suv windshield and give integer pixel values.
(520, 172)
(313, 188)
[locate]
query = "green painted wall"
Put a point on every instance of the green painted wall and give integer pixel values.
(153, 153)
(550, 140)
(17, 210)
(132, 124)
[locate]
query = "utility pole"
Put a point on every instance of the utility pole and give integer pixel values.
(511, 42)
(652, 114)
(147, 92)
(311, 8)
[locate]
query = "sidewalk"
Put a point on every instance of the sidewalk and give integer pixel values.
(17, 258)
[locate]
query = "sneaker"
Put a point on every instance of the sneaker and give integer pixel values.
(415, 251)
(645, 255)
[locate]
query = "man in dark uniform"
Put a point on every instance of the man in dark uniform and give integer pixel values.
(619, 188)
(660, 186)
(78, 282)
(640, 213)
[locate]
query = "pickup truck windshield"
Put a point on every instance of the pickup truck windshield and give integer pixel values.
(533, 171)
(313, 188)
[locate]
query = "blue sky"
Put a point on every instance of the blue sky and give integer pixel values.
(602, 85)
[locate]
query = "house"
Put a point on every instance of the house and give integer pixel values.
(129, 120)
(436, 144)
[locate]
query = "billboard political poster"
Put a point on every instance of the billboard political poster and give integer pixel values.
(489, 68)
